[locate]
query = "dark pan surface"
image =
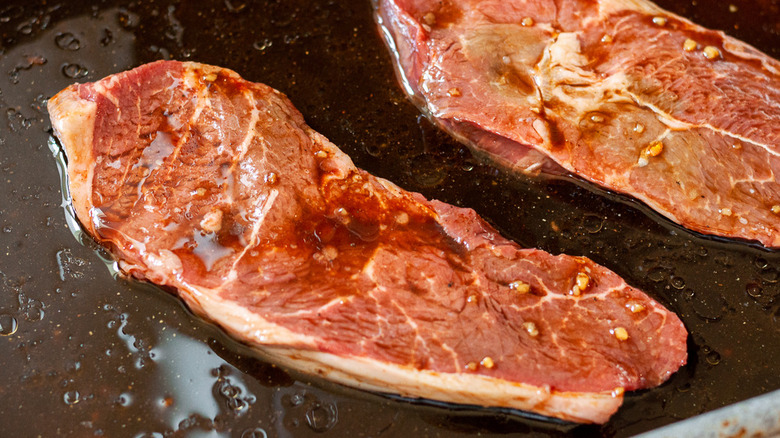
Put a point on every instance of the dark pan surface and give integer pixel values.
(83, 354)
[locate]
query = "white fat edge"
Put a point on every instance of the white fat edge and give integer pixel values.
(373, 375)
(73, 122)
(610, 7)
(239, 321)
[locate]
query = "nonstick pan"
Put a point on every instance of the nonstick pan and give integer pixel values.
(85, 354)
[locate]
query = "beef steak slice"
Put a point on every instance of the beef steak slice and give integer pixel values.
(618, 92)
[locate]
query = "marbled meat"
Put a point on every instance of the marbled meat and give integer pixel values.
(618, 92)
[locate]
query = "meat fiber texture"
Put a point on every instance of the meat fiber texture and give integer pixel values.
(214, 187)
(618, 92)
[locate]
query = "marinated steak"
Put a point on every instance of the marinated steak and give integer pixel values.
(619, 92)
(213, 186)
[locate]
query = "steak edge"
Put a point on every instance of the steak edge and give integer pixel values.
(215, 187)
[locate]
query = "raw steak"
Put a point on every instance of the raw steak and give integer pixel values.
(213, 186)
(618, 92)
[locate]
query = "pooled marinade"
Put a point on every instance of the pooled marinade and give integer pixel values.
(618, 92)
(214, 187)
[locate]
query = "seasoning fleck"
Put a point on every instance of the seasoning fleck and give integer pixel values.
(488, 363)
(607, 38)
(711, 52)
(454, 92)
(776, 209)
(690, 45)
(520, 287)
(582, 281)
(635, 307)
(531, 329)
(639, 128)
(527, 21)
(430, 18)
(654, 149)
(617, 392)
(620, 333)
(471, 366)
(660, 21)
(726, 211)
(212, 221)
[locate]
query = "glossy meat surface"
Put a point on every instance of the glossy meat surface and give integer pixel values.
(618, 92)
(202, 182)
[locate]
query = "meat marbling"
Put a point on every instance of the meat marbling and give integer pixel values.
(202, 182)
(619, 92)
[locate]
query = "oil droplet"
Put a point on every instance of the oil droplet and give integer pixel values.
(234, 6)
(124, 399)
(754, 290)
(761, 263)
(297, 400)
(592, 223)
(685, 387)
(257, 432)
(74, 71)
(8, 325)
(713, 358)
(262, 45)
(322, 418)
(426, 171)
(709, 308)
(656, 274)
(127, 19)
(67, 41)
(770, 275)
(71, 398)
(678, 283)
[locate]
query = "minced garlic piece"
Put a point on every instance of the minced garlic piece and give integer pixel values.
(689, 45)
(212, 221)
(635, 307)
(654, 149)
(520, 286)
(607, 38)
(726, 211)
(582, 280)
(661, 21)
(531, 329)
(430, 18)
(454, 92)
(711, 52)
(597, 118)
(617, 392)
(200, 191)
(487, 362)
(639, 128)
(321, 154)
(776, 209)
(527, 21)
(330, 252)
(472, 366)
(620, 333)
